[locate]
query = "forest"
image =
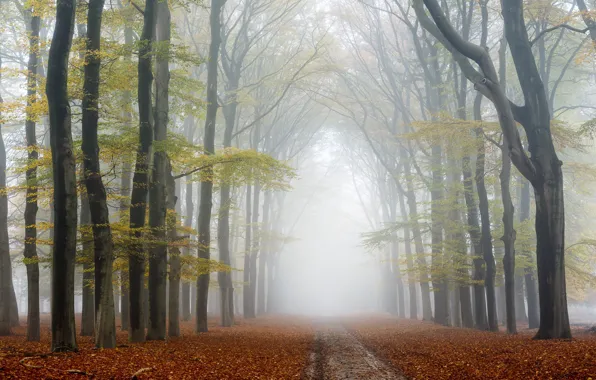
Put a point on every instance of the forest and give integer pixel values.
(276, 189)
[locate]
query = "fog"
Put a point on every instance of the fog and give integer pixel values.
(327, 270)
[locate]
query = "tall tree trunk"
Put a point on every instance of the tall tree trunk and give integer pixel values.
(138, 203)
(88, 296)
(480, 319)
(547, 180)
(5, 264)
(206, 202)
(223, 226)
(529, 273)
(30, 252)
(186, 310)
(439, 281)
(65, 183)
(485, 238)
(174, 253)
(158, 255)
(105, 325)
(247, 250)
(125, 194)
(256, 249)
(263, 256)
(409, 260)
(508, 242)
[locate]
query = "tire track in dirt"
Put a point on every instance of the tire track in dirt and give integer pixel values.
(338, 355)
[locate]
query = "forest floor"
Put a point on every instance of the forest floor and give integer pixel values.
(264, 348)
(372, 347)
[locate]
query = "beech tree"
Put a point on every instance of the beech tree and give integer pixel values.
(65, 189)
(542, 169)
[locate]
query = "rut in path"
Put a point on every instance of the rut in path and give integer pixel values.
(339, 355)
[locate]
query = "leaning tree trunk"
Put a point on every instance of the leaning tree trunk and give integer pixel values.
(438, 278)
(206, 202)
(30, 252)
(65, 182)
(138, 203)
(105, 325)
(158, 255)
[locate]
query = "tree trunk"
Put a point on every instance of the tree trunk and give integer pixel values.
(158, 255)
(508, 242)
(5, 262)
(529, 272)
(138, 203)
(186, 310)
(174, 288)
(409, 260)
(438, 278)
(204, 218)
(105, 325)
(247, 250)
(88, 296)
(485, 237)
(256, 247)
(547, 180)
(480, 319)
(65, 184)
(125, 194)
(30, 252)
(263, 257)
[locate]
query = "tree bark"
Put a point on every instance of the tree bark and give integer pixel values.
(65, 184)
(158, 255)
(138, 203)
(529, 272)
(508, 242)
(5, 264)
(174, 253)
(105, 325)
(125, 194)
(256, 248)
(88, 291)
(30, 252)
(264, 254)
(247, 250)
(206, 202)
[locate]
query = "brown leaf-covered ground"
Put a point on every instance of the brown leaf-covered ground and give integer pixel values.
(265, 348)
(426, 351)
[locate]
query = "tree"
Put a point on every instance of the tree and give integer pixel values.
(206, 197)
(65, 190)
(30, 251)
(105, 326)
(138, 202)
(543, 169)
(158, 256)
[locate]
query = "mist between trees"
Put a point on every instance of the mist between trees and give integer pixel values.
(167, 160)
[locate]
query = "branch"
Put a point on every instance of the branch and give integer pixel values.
(137, 8)
(204, 167)
(566, 26)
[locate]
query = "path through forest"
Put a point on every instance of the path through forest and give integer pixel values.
(339, 355)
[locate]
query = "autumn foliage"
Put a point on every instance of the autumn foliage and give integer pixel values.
(266, 348)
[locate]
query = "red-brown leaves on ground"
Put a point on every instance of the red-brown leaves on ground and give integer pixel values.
(265, 348)
(427, 351)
